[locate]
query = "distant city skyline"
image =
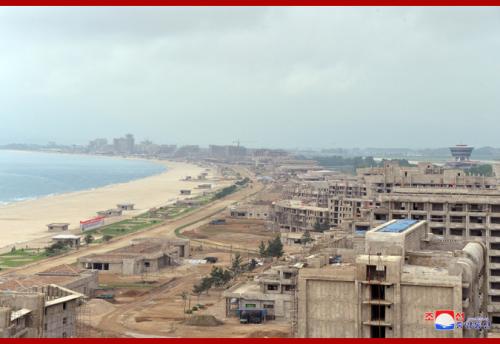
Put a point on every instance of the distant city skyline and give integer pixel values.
(292, 78)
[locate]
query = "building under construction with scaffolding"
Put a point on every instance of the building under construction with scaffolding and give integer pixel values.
(50, 304)
(391, 285)
(49, 311)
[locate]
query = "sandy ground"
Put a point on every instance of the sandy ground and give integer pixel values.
(26, 221)
(191, 220)
(159, 311)
(238, 232)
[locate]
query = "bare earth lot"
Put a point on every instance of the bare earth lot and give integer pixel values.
(158, 309)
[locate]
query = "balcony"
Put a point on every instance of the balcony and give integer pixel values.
(377, 302)
(377, 323)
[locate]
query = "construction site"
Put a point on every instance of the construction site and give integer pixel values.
(300, 253)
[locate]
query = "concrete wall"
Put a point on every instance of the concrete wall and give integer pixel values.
(60, 320)
(415, 301)
(33, 301)
(85, 285)
(327, 309)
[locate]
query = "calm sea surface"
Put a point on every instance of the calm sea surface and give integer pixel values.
(29, 175)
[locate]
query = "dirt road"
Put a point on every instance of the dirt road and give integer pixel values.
(190, 220)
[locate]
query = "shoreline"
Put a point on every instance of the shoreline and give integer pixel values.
(25, 221)
(34, 198)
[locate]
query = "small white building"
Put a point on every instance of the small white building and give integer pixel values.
(110, 212)
(70, 240)
(58, 226)
(125, 206)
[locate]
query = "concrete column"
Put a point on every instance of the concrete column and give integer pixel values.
(396, 326)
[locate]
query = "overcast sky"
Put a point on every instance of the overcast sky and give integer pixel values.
(276, 77)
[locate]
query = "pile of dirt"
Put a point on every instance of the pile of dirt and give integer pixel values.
(132, 293)
(98, 307)
(203, 320)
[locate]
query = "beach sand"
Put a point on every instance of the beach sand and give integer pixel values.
(26, 221)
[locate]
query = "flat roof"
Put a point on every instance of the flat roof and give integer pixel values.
(398, 226)
(66, 236)
(58, 224)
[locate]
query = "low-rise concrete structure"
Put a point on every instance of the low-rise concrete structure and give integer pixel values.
(125, 206)
(146, 255)
(70, 240)
(272, 291)
(250, 211)
(110, 212)
(58, 226)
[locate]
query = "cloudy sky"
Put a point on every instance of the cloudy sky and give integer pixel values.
(276, 77)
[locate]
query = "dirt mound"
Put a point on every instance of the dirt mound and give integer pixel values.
(268, 334)
(132, 293)
(98, 307)
(203, 320)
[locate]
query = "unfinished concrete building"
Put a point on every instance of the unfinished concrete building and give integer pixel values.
(459, 208)
(387, 288)
(147, 255)
(271, 291)
(295, 216)
(76, 279)
(49, 311)
(311, 192)
(250, 211)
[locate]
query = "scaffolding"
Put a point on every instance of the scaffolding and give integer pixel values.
(295, 308)
(82, 320)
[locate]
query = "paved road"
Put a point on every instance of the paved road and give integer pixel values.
(194, 219)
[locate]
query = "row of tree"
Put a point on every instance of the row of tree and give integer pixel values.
(220, 277)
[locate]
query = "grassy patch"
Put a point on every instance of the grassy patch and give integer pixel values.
(21, 257)
(124, 227)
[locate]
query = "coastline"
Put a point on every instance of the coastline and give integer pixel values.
(26, 221)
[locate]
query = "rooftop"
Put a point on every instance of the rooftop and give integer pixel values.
(397, 226)
(66, 236)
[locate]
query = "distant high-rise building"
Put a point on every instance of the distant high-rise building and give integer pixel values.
(124, 145)
(97, 145)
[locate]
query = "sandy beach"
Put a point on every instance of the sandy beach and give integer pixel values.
(26, 221)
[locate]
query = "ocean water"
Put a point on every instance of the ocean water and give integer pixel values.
(30, 175)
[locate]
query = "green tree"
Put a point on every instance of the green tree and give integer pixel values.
(320, 227)
(107, 237)
(184, 296)
(262, 250)
(306, 237)
(206, 284)
(197, 290)
(56, 248)
(275, 247)
(88, 239)
(236, 265)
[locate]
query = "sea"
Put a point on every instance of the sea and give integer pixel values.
(30, 175)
